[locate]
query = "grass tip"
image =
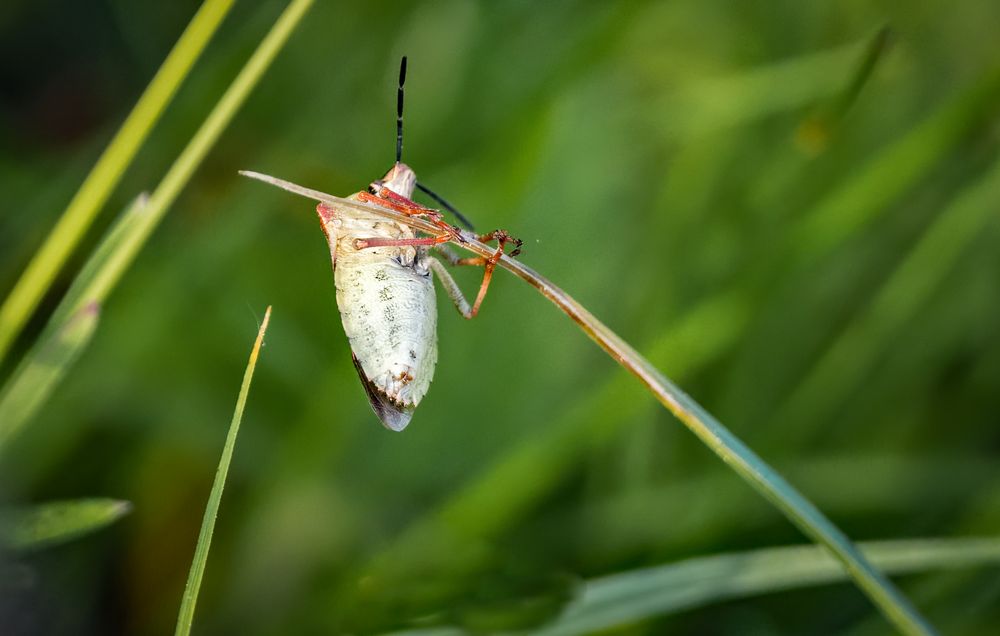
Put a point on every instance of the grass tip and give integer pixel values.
(121, 507)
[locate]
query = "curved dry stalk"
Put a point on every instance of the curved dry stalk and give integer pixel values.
(747, 464)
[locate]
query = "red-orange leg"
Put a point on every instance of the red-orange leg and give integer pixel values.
(488, 263)
(386, 193)
(365, 243)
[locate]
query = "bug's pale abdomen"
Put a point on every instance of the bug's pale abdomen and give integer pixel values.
(388, 308)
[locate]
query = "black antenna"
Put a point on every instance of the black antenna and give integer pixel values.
(399, 148)
(399, 110)
(447, 206)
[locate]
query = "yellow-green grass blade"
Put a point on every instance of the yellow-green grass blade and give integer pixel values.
(55, 522)
(186, 615)
(631, 597)
(104, 176)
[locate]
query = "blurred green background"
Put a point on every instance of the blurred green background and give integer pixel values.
(817, 265)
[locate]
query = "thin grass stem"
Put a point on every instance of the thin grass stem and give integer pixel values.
(186, 615)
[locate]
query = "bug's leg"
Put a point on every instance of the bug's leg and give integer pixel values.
(452, 289)
(501, 236)
(489, 264)
(448, 254)
(365, 243)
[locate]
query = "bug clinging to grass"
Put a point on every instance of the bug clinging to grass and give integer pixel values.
(383, 273)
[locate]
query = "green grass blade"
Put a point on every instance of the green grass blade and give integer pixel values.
(72, 226)
(38, 375)
(56, 522)
(186, 615)
(875, 52)
(66, 334)
(638, 595)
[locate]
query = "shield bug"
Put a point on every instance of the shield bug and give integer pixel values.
(384, 272)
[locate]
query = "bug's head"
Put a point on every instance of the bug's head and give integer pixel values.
(400, 179)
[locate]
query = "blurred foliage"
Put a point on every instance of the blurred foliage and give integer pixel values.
(820, 271)
(57, 521)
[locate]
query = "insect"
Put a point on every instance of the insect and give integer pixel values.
(384, 272)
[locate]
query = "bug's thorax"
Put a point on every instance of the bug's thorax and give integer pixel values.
(348, 225)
